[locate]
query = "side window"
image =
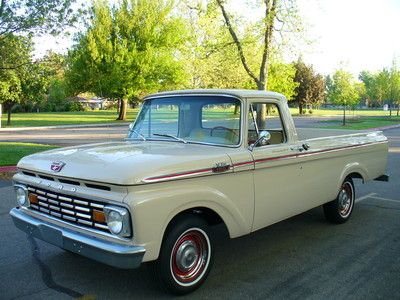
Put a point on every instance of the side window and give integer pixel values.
(265, 117)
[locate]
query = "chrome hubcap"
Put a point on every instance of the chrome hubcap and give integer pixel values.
(345, 199)
(190, 257)
(186, 255)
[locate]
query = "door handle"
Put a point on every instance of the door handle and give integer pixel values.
(297, 148)
(301, 148)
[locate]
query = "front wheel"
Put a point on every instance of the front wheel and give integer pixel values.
(186, 255)
(339, 210)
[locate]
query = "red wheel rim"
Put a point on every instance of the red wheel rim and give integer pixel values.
(190, 256)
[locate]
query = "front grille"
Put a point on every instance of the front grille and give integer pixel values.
(71, 209)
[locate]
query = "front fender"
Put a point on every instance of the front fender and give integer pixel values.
(153, 207)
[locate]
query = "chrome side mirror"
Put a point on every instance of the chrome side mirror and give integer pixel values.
(263, 138)
(130, 126)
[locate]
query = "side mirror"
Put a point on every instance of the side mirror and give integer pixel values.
(263, 138)
(130, 126)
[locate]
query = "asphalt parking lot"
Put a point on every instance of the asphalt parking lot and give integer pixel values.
(303, 257)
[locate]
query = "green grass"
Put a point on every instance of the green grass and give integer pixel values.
(362, 123)
(11, 153)
(338, 112)
(65, 118)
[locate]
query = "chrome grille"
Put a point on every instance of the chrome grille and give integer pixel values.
(71, 209)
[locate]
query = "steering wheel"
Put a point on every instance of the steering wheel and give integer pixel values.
(222, 127)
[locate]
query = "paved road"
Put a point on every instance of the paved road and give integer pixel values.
(77, 136)
(303, 257)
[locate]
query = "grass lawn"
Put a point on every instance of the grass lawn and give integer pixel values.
(337, 112)
(65, 118)
(11, 153)
(362, 123)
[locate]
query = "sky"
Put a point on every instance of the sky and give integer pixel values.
(352, 34)
(355, 34)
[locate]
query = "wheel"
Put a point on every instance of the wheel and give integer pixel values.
(186, 255)
(339, 210)
(224, 128)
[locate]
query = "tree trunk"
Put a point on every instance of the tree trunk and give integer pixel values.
(398, 108)
(344, 115)
(122, 109)
(236, 110)
(9, 106)
(300, 108)
(261, 108)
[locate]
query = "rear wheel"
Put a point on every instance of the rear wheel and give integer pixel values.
(339, 210)
(186, 255)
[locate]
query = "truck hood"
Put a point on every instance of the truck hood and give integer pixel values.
(128, 163)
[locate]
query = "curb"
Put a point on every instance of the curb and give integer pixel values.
(7, 169)
(385, 127)
(66, 126)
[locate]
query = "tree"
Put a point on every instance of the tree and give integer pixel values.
(281, 79)
(370, 86)
(394, 84)
(311, 86)
(17, 49)
(35, 16)
(213, 61)
(276, 11)
(377, 86)
(344, 91)
(129, 50)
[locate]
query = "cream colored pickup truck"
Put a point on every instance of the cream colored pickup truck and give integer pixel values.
(191, 159)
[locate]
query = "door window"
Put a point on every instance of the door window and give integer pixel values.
(265, 117)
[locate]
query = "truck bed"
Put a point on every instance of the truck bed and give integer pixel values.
(311, 133)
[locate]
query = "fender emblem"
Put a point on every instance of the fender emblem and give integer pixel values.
(57, 166)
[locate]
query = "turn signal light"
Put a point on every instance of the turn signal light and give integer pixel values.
(33, 198)
(99, 216)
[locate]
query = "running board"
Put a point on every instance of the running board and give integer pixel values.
(382, 178)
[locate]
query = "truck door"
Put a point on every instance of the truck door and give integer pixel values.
(278, 184)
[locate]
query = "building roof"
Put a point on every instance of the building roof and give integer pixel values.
(234, 92)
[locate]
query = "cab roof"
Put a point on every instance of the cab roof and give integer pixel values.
(232, 92)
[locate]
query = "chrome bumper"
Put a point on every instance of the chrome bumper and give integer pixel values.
(113, 254)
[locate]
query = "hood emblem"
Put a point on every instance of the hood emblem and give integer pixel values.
(57, 166)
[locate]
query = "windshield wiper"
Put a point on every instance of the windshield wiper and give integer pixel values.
(138, 134)
(171, 136)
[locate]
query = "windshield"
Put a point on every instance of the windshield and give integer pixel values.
(189, 119)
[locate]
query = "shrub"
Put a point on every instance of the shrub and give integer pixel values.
(75, 106)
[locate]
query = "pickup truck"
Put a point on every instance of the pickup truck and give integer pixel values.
(191, 159)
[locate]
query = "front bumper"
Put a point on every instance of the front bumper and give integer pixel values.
(113, 254)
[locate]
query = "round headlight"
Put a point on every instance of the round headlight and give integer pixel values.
(118, 220)
(114, 222)
(21, 196)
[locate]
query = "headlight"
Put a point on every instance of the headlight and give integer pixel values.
(22, 195)
(118, 220)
